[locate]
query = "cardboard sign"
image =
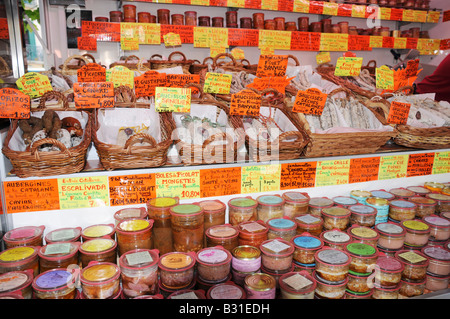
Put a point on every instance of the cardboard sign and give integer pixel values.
(87, 43)
(332, 172)
(220, 182)
(396, 14)
(433, 16)
(129, 44)
(186, 32)
(364, 169)
(330, 8)
(267, 51)
(398, 113)
(180, 80)
(170, 99)
(4, 30)
(238, 54)
(348, 66)
(92, 95)
(201, 37)
(269, 4)
(298, 175)
(392, 167)
(412, 67)
(446, 16)
(147, 33)
(376, 41)
(14, 104)
(420, 16)
(120, 75)
(420, 164)
(131, 189)
(34, 84)
(441, 164)
(272, 65)
(145, 84)
(101, 31)
(334, 42)
(311, 101)
(384, 78)
(83, 192)
(278, 83)
(323, 57)
(172, 39)
(400, 43)
(245, 103)
(263, 178)
(214, 51)
(182, 184)
(358, 11)
(91, 72)
(218, 83)
(275, 39)
(301, 6)
(316, 7)
(243, 37)
(306, 41)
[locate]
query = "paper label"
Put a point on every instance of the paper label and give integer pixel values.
(131, 189)
(384, 78)
(398, 113)
(276, 246)
(330, 8)
(145, 84)
(238, 54)
(275, 39)
(14, 104)
(348, 66)
(59, 248)
(323, 57)
(101, 31)
(333, 172)
(334, 42)
(91, 72)
(220, 182)
(34, 84)
(278, 83)
(364, 169)
(218, 83)
(93, 95)
(412, 257)
(245, 103)
(441, 164)
(182, 184)
(120, 75)
(83, 192)
(87, 43)
(298, 175)
(272, 65)
(170, 99)
(392, 167)
(129, 44)
(172, 39)
(311, 101)
(263, 178)
(142, 257)
(420, 164)
(301, 6)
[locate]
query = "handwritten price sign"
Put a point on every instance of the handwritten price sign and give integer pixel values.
(93, 95)
(218, 83)
(398, 113)
(14, 104)
(311, 101)
(91, 72)
(245, 102)
(272, 65)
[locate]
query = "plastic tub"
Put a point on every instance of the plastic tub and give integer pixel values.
(360, 195)
(306, 247)
(439, 260)
(134, 234)
(98, 231)
(159, 210)
(309, 223)
(20, 258)
(24, 236)
(442, 202)
(417, 233)
(344, 201)
(435, 283)
(213, 264)
(439, 227)
(260, 286)
(224, 235)
(392, 236)
(385, 293)
(284, 228)
(388, 271)
(100, 249)
(358, 283)
(296, 204)
(139, 272)
(402, 193)
(400, 210)
(277, 254)
(227, 290)
(100, 280)
(58, 255)
(252, 233)
(214, 212)
(129, 213)
(382, 207)
(362, 234)
(246, 259)
(415, 264)
(409, 288)
(332, 264)
(362, 215)
(425, 206)
(63, 234)
(336, 218)
(335, 238)
(17, 282)
(317, 204)
(187, 294)
(419, 190)
(329, 290)
(177, 269)
(187, 227)
(55, 284)
(297, 285)
(242, 209)
(269, 207)
(363, 256)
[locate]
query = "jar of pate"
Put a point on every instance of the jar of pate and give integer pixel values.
(417, 233)
(316, 204)
(98, 231)
(297, 285)
(410, 288)
(129, 213)
(159, 211)
(269, 207)
(358, 282)
(435, 283)
(134, 234)
(284, 228)
(362, 234)
(177, 269)
(213, 264)
(242, 209)
(360, 195)
(363, 257)
(63, 234)
(392, 236)
(100, 249)
(24, 236)
(187, 227)
(224, 235)
(335, 218)
(439, 260)
(296, 204)
(276, 254)
(329, 290)
(439, 227)
(252, 233)
(442, 202)
(385, 293)
(306, 247)
(100, 280)
(187, 294)
(260, 286)
(402, 193)
(415, 264)
(382, 207)
(434, 187)
(400, 210)
(388, 271)
(381, 193)
(362, 215)
(226, 290)
(214, 212)
(344, 201)
(419, 190)
(20, 258)
(358, 295)
(55, 284)
(58, 255)
(332, 264)
(335, 238)
(425, 206)
(309, 223)
(17, 282)
(246, 259)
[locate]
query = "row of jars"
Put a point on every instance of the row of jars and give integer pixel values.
(409, 4)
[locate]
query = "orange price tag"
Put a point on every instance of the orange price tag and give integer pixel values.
(101, 31)
(14, 104)
(246, 102)
(298, 175)
(420, 164)
(180, 80)
(145, 84)
(91, 72)
(131, 189)
(311, 101)
(220, 182)
(272, 65)
(398, 113)
(87, 43)
(93, 95)
(412, 67)
(364, 169)
(278, 83)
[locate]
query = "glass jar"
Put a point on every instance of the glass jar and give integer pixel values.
(204, 21)
(258, 20)
(100, 280)
(303, 24)
(20, 258)
(332, 264)
(295, 204)
(269, 206)
(442, 202)
(439, 260)
(143, 17)
(400, 210)
(425, 206)
(129, 213)
(129, 11)
(222, 235)
(217, 22)
(246, 259)
(187, 227)
(385, 293)
(388, 271)
(392, 236)
(417, 233)
(187, 294)
(335, 218)
(227, 290)
(344, 201)
(100, 249)
(242, 209)
(439, 227)
(433, 186)
(17, 282)
(98, 231)
(252, 233)
(277, 254)
(176, 269)
(231, 18)
(260, 286)
(381, 193)
(402, 193)
(358, 282)
(134, 234)
(382, 207)
(284, 228)
(309, 223)
(214, 212)
(362, 215)
(419, 190)
(159, 211)
(246, 23)
(58, 255)
(63, 234)
(362, 234)
(291, 26)
(415, 264)
(360, 195)
(306, 247)
(435, 283)
(363, 257)
(409, 288)
(24, 236)
(115, 16)
(335, 238)
(55, 284)
(163, 16)
(177, 19)
(190, 18)
(297, 285)
(139, 272)
(317, 204)
(356, 295)
(213, 264)
(329, 290)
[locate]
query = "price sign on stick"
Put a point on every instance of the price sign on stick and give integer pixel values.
(245, 102)
(91, 72)
(272, 65)
(87, 43)
(398, 113)
(34, 84)
(93, 95)
(169, 99)
(311, 101)
(14, 104)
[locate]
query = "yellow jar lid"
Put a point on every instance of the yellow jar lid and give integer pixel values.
(364, 232)
(176, 261)
(100, 272)
(17, 253)
(415, 225)
(97, 231)
(360, 193)
(96, 245)
(377, 201)
(163, 202)
(134, 225)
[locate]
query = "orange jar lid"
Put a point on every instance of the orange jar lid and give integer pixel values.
(100, 272)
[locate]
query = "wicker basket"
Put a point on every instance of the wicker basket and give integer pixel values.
(133, 63)
(423, 138)
(69, 68)
(5, 70)
(170, 62)
(30, 163)
(197, 67)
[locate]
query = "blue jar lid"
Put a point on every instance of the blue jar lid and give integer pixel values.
(382, 194)
(345, 200)
(54, 279)
(281, 223)
(304, 265)
(270, 200)
(307, 242)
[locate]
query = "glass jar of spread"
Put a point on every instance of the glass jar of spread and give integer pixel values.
(336, 218)
(55, 284)
(435, 283)
(163, 16)
(360, 195)
(269, 206)
(388, 271)
(417, 233)
(306, 247)
(297, 285)
(284, 228)
(190, 18)
(176, 269)
(17, 282)
(134, 234)
(100, 280)
(129, 213)
(139, 272)
(329, 290)
(177, 19)
(143, 17)
(115, 16)
(277, 255)
(402, 193)
(129, 11)
(100, 249)
(385, 293)
(400, 210)
(415, 264)
(362, 234)
(344, 201)
(317, 204)
(214, 212)
(409, 288)
(98, 231)
(425, 206)
(252, 233)
(246, 23)
(63, 234)
(246, 259)
(58, 255)
(434, 187)
(362, 215)
(382, 207)
(226, 290)
(159, 211)
(419, 190)
(295, 204)
(222, 235)
(381, 193)
(309, 223)
(242, 209)
(358, 295)
(332, 264)
(392, 236)
(439, 260)
(363, 257)
(439, 227)
(213, 264)
(335, 238)
(217, 22)
(24, 236)
(20, 258)
(260, 286)
(187, 227)
(258, 20)
(442, 202)
(358, 282)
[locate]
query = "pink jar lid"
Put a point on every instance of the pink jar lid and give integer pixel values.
(59, 250)
(436, 221)
(437, 252)
(138, 259)
(23, 234)
(63, 234)
(389, 264)
(277, 247)
(213, 256)
(297, 282)
(222, 231)
(15, 280)
(212, 206)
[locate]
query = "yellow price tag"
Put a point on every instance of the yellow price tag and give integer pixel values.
(171, 99)
(172, 39)
(333, 42)
(129, 44)
(301, 6)
(238, 54)
(330, 8)
(275, 39)
(348, 66)
(384, 78)
(323, 57)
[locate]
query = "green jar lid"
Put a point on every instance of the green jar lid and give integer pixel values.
(361, 249)
(186, 209)
(243, 202)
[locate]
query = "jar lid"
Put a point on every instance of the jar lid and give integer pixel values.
(222, 231)
(23, 233)
(333, 256)
(128, 213)
(56, 251)
(63, 234)
(296, 197)
(133, 225)
(307, 242)
(213, 255)
(336, 236)
(377, 201)
(403, 204)
(163, 202)
(186, 209)
(99, 272)
(98, 245)
(270, 200)
(422, 200)
(139, 259)
(437, 252)
(336, 211)
(434, 185)
(15, 280)
(362, 209)
(97, 230)
(53, 279)
(415, 225)
(390, 229)
(402, 192)
(361, 249)
(277, 247)
(439, 197)
(382, 194)
(389, 264)
(320, 202)
(413, 258)
(281, 224)
(309, 219)
(363, 232)
(19, 253)
(227, 290)
(260, 282)
(297, 282)
(212, 205)
(436, 221)
(243, 202)
(246, 252)
(176, 261)
(418, 189)
(344, 200)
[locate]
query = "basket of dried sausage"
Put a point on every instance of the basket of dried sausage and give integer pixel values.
(158, 64)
